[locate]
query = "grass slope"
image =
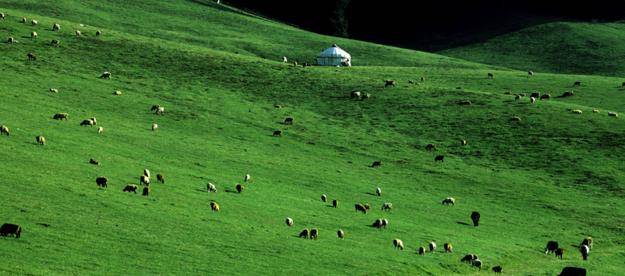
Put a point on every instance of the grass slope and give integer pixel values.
(555, 175)
(563, 47)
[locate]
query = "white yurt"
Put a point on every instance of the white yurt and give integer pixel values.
(334, 56)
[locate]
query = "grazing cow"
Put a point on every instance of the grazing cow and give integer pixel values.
(146, 172)
(154, 126)
(60, 116)
(98, 33)
(55, 43)
(439, 158)
(585, 250)
(387, 206)
(449, 201)
(388, 83)
(545, 97)
(33, 35)
(106, 75)
(247, 178)
(340, 233)
(146, 191)
(2, 15)
(214, 206)
(477, 263)
(530, 73)
(277, 133)
(53, 90)
(100, 130)
(94, 162)
(398, 244)
(144, 180)
(376, 164)
(559, 253)
(384, 223)
(5, 130)
(475, 217)
(56, 27)
(432, 246)
(10, 229)
(41, 140)
(289, 222)
(239, 188)
(23, 20)
(355, 95)
(360, 208)
(551, 247)
(377, 223)
(573, 271)
(612, 114)
(378, 191)
(11, 40)
(567, 94)
(595, 111)
(430, 147)
(421, 250)
(532, 99)
(335, 203)
(160, 178)
(497, 269)
(576, 111)
(463, 142)
(324, 198)
(210, 187)
(577, 83)
(490, 75)
(34, 22)
(130, 188)
(587, 241)
(448, 247)
(101, 181)
(88, 122)
(469, 258)
(517, 97)
(288, 121)
(117, 93)
(31, 56)
(78, 33)
(314, 234)
(304, 233)
(285, 60)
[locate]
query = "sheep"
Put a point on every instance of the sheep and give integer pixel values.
(144, 180)
(376, 164)
(567, 94)
(88, 122)
(130, 188)
(214, 206)
(577, 83)
(277, 133)
(154, 126)
(31, 56)
(41, 140)
(146, 191)
(559, 253)
(430, 147)
(421, 250)
(449, 201)
(335, 203)
(387, 206)
(448, 247)
(612, 114)
(545, 97)
(439, 158)
(585, 250)
(100, 130)
(239, 188)
(490, 75)
(324, 198)
(532, 99)
(515, 119)
(432, 246)
(106, 75)
(78, 33)
(160, 110)
(378, 191)
(497, 269)
(33, 35)
(117, 93)
(53, 90)
(573, 271)
(475, 217)
(94, 162)
(551, 247)
(355, 95)
(360, 208)
(247, 178)
(288, 121)
(101, 181)
(388, 83)
(304, 233)
(160, 178)
(340, 233)
(56, 27)
(55, 43)
(10, 229)
(11, 40)
(587, 241)
(314, 234)
(34, 22)
(98, 33)
(285, 60)
(210, 187)
(288, 221)
(5, 130)
(398, 244)
(60, 116)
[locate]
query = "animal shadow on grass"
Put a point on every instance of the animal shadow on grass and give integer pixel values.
(370, 193)
(462, 223)
(228, 190)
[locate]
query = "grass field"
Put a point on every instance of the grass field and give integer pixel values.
(554, 175)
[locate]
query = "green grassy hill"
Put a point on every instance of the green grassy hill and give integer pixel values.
(553, 176)
(562, 47)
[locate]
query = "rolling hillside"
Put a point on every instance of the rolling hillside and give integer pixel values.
(562, 47)
(554, 175)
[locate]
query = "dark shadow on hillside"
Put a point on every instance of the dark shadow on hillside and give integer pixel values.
(463, 223)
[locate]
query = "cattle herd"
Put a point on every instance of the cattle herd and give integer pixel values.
(9, 229)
